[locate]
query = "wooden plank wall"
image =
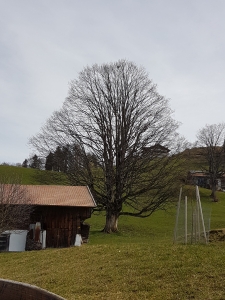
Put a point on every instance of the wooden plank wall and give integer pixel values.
(61, 223)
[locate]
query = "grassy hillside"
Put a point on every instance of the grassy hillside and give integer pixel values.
(140, 262)
(195, 158)
(32, 176)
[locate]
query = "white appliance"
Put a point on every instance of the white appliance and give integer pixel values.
(17, 239)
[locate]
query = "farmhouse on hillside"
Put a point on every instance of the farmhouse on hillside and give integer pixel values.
(156, 151)
(59, 213)
(202, 179)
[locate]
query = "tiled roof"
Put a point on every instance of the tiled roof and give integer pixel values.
(59, 195)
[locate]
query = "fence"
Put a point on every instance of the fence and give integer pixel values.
(192, 220)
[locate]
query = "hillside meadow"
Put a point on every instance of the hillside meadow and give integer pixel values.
(139, 262)
(32, 176)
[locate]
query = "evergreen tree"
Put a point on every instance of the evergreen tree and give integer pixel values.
(49, 164)
(58, 160)
(35, 162)
(25, 163)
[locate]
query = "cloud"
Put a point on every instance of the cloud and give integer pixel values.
(45, 44)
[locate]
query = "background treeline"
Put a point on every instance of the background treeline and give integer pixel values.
(64, 159)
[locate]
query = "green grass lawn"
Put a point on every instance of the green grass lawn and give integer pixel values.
(25, 175)
(139, 262)
(33, 176)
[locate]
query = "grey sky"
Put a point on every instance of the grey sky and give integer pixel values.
(45, 44)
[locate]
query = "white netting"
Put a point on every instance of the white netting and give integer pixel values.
(192, 220)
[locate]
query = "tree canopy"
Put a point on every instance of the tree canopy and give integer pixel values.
(212, 139)
(15, 204)
(114, 115)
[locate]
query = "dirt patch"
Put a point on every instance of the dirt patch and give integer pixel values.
(217, 235)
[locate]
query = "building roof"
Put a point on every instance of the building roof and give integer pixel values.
(194, 173)
(58, 195)
(156, 149)
(198, 173)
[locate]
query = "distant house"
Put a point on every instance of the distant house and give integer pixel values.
(202, 179)
(199, 178)
(59, 213)
(156, 151)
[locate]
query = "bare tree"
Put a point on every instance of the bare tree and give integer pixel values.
(115, 115)
(15, 205)
(212, 138)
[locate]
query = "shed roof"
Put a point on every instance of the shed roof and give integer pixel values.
(59, 195)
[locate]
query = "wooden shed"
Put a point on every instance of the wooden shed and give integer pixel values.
(60, 212)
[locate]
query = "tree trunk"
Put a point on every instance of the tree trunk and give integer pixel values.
(213, 194)
(111, 223)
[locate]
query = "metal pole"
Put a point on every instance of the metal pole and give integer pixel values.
(185, 218)
(201, 214)
(197, 220)
(177, 216)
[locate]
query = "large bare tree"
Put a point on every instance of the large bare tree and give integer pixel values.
(15, 204)
(121, 129)
(212, 139)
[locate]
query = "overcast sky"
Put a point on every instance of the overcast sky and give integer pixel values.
(44, 44)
